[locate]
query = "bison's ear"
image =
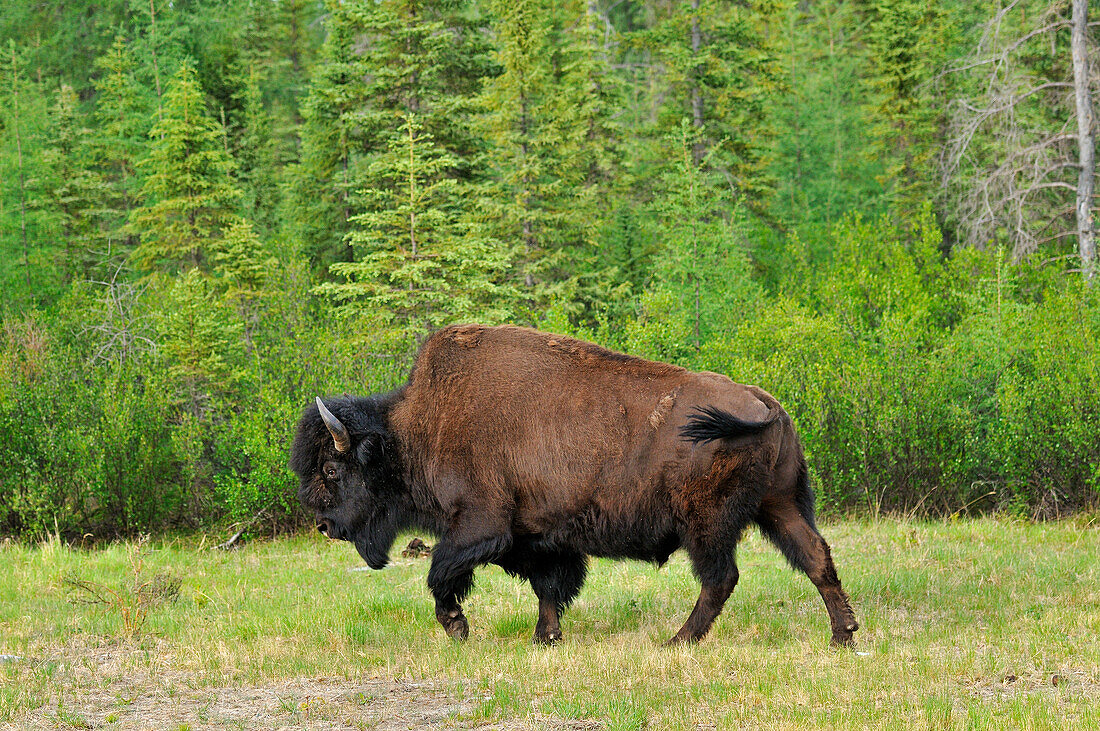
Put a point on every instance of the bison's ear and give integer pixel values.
(338, 431)
(370, 448)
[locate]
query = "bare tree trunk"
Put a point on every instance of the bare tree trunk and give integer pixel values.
(156, 66)
(696, 92)
(22, 174)
(412, 190)
(1086, 141)
(528, 228)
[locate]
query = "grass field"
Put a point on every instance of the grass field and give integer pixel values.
(973, 624)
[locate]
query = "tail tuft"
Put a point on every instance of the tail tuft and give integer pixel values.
(708, 424)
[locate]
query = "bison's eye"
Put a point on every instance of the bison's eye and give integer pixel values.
(331, 473)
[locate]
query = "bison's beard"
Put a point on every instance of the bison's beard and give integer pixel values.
(373, 553)
(375, 539)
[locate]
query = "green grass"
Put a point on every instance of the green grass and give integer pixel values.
(978, 624)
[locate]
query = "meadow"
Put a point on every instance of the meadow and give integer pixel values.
(974, 623)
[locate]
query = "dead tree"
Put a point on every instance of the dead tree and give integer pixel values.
(1013, 149)
(1086, 139)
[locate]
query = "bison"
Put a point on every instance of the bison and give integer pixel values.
(534, 451)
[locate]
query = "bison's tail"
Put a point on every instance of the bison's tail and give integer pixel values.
(708, 424)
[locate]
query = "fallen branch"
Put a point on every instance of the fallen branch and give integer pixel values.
(243, 528)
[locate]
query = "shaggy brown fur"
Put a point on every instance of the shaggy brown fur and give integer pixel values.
(533, 451)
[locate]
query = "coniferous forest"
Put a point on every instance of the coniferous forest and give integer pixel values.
(881, 211)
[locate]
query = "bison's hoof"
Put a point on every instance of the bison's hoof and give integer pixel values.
(551, 637)
(457, 627)
(843, 638)
(681, 640)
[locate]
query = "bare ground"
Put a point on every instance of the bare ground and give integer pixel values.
(118, 686)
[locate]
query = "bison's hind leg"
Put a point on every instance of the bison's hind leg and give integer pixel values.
(711, 545)
(789, 524)
(556, 578)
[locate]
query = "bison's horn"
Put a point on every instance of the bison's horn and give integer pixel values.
(339, 432)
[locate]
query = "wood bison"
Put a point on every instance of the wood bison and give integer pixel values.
(533, 451)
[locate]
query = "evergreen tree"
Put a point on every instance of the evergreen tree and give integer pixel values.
(244, 268)
(321, 205)
(27, 248)
(382, 62)
(75, 191)
(201, 341)
(906, 40)
(419, 263)
(190, 197)
(255, 154)
(528, 199)
(157, 46)
(702, 263)
(121, 115)
(818, 162)
(550, 152)
(719, 69)
(61, 40)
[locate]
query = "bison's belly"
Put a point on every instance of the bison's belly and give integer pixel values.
(621, 534)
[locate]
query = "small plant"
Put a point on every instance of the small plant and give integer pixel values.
(132, 601)
(69, 718)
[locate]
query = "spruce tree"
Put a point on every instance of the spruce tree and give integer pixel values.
(322, 188)
(527, 200)
(75, 191)
(122, 116)
(551, 148)
(418, 261)
(381, 62)
(906, 41)
(255, 153)
(818, 160)
(25, 242)
(720, 71)
(200, 339)
(190, 196)
(702, 262)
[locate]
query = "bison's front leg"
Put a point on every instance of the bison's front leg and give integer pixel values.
(452, 575)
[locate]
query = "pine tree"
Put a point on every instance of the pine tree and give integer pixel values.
(74, 194)
(702, 262)
(122, 114)
(906, 40)
(720, 71)
(383, 61)
(190, 196)
(419, 263)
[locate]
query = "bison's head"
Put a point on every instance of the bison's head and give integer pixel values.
(349, 468)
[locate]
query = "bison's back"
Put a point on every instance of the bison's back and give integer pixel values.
(554, 427)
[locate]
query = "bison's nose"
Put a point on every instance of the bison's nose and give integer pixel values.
(322, 527)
